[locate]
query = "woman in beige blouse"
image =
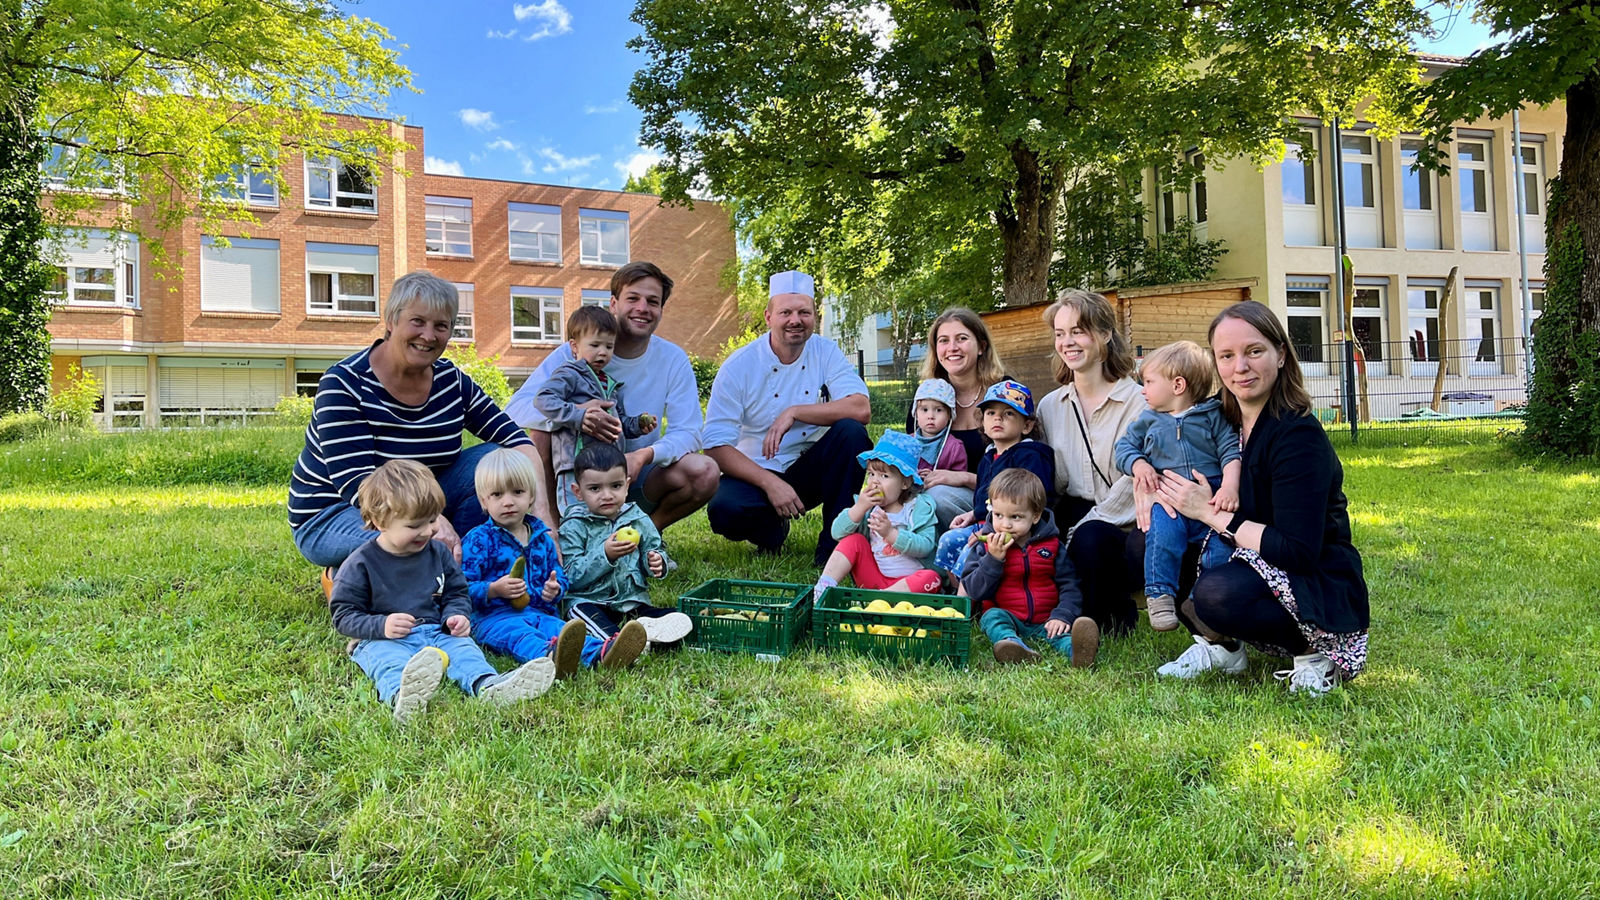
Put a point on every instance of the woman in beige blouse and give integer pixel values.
(1082, 421)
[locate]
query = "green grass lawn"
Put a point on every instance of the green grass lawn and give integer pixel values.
(177, 720)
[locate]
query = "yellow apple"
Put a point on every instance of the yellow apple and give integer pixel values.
(627, 534)
(444, 656)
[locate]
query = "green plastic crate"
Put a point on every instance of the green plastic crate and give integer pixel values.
(787, 608)
(834, 626)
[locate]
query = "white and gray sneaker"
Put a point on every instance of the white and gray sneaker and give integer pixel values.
(525, 682)
(667, 629)
(1313, 674)
(1204, 656)
(419, 680)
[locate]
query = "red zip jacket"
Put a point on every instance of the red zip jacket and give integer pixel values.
(1036, 582)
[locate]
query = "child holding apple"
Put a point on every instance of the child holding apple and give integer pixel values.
(612, 550)
(1020, 579)
(402, 598)
(886, 536)
(514, 550)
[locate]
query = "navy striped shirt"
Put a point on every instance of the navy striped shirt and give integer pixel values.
(357, 426)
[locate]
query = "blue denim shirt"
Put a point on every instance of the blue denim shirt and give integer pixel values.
(1200, 438)
(487, 554)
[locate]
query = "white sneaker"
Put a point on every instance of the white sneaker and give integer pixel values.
(667, 629)
(1313, 674)
(1204, 656)
(525, 682)
(419, 680)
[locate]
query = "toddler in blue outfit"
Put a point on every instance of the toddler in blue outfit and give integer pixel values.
(1189, 436)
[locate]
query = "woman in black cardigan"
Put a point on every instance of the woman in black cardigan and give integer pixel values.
(1294, 585)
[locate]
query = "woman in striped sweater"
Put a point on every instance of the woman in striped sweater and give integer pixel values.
(397, 400)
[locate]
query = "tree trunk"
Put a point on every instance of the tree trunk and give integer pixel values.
(1580, 171)
(24, 278)
(1446, 305)
(1027, 220)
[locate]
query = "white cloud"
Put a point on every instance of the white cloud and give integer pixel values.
(636, 165)
(481, 119)
(550, 18)
(559, 163)
(501, 35)
(436, 166)
(500, 144)
(608, 109)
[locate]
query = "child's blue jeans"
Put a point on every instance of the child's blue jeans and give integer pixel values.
(1164, 544)
(952, 548)
(1000, 625)
(527, 634)
(383, 658)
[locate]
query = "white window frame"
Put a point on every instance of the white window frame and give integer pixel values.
(1477, 226)
(1422, 220)
(597, 226)
(1198, 198)
(342, 302)
(466, 295)
(340, 200)
(1298, 289)
(251, 185)
(590, 297)
(61, 158)
(1418, 312)
(1300, 190)
(445, 232)
(1378, 313)
(543, 242)
(1363, 218)
(1476, 316)
(1533, 184)
(547, 302)
(84, 249)
(208, 250)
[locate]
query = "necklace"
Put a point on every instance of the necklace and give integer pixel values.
(970, 403)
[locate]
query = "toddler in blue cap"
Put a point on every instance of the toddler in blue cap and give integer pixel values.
(886, 536)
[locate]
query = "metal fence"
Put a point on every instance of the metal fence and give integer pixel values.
(1481, 396)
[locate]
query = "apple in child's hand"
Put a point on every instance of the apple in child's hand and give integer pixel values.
(647, 422)
(627, 534)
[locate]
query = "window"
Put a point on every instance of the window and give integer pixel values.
(463, 330)
(597, 298)
(306, 380)
(1368, 310)
(1359, 176)
(1197, 188)
(97, 268)
(602, 237)
(1532, 164)
(248, 184)
(1302, 217)
(1419, 191)
(342, 279)
(449, 226)
(535, 314)
(1307, 298)
(1482, 308)
(78, 168)
(1477, 216)
(333, 184)
(535, 232)
(241, 277)
(1422, 323)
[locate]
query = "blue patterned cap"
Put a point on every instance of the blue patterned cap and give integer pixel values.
(1014, 394)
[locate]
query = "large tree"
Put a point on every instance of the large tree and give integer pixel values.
(135, 108)
(1549, 51)
(977, 110)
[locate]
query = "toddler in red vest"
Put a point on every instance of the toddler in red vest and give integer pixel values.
(1023, 582)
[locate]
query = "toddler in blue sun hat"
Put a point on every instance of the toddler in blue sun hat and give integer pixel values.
(886, 536)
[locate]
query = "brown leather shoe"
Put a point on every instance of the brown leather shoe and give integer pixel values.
(568, 652)
(1009, 651)
(1085, 642)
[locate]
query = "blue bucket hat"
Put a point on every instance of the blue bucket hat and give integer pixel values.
(1014, 394)
(899, 450)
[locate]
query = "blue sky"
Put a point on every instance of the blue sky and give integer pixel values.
(537, 91)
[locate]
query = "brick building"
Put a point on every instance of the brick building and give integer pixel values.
(224, 332)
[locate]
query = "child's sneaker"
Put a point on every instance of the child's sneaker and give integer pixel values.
(327, 584)
(418, 681)
(1203, 656)
(525, 682)
(1009, 651)
(668, 629)
(1313, 674)
(568, 649)
(1163, 610)
(622, 648)
(1085, 642)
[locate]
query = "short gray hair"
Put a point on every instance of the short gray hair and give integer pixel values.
(424, 289)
